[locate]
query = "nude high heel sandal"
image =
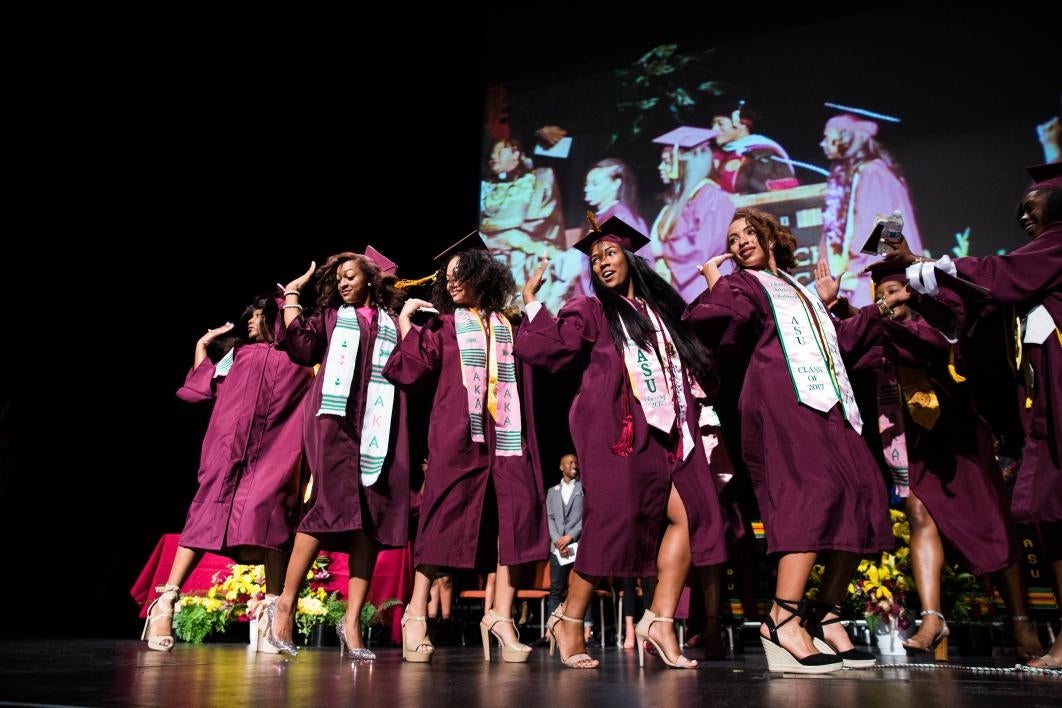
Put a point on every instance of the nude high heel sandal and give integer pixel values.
(411, 650)
(514, 652)
(641, 635)
(938, 644)
(161, 606)
(581, 660)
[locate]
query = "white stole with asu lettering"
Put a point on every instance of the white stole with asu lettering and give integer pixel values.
(809, 343)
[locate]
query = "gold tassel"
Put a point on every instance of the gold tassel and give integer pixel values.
(673, 172)
(955, 375)
(403, 284)
(593, 222)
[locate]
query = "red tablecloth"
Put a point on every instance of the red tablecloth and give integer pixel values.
(393, 577)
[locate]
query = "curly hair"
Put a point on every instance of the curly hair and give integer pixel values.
(382, 290)
(667, 303)
(769, 230)
(488, 280)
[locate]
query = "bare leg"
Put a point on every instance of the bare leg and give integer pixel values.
(433, 600)
(927, 558)
(1053, 658)
(839, 568)
(569, 634)
(1014, 594)
(673, 562)
(276, 565)
(363, 551)
(415, 632)
(502, 608)
(793, 572)
(302, 557)
(184, 561)
(446, 596)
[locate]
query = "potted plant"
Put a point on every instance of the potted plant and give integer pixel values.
(199, 616)
(879, 589)
(372, 618)
(226, 606)
(969, 610)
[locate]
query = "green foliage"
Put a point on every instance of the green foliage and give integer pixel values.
(963, 597)
(664, 88)
(193, 622)
(373, 614)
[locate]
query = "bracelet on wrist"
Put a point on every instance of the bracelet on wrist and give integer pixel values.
(299, 307)
(296, 293)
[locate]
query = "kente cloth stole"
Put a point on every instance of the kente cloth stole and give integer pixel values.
(222, 367)
(379, 403)
(660, 391)
(809, 343)
(340, 364)
(494, 369)
(891, 427)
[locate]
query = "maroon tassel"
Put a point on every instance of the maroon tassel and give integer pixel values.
(625, 445)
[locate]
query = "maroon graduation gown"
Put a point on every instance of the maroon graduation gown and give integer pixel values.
(625, 503)
(816, 482)
(248, 471)
(340, 503)
(952, 467)
(1024, 278)
(461, 526)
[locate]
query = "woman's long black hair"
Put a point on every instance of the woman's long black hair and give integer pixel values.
(666, 301)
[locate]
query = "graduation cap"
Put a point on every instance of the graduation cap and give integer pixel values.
(686, 136)
(847, 120)
(613, 229)
(385, 264)
(886, 271)
(468, 243)
(1046, 176)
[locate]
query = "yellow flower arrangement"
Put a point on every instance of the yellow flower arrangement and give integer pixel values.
(880, 588)
(242, 591)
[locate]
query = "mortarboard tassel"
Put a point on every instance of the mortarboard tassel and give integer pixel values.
(593, 221)
(625, 445)
(403, 284)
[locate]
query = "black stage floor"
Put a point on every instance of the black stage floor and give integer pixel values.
(124, 673)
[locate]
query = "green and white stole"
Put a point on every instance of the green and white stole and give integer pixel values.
(340, 364)
(496, 373)
(660, 391)
(809, 343)
(224, 364)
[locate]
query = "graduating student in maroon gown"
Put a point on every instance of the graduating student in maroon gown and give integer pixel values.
(355, 431)
(483, 504)
(248, 493)
(651, 507)
(1029, 280)
(817, 485)
(937, 449)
